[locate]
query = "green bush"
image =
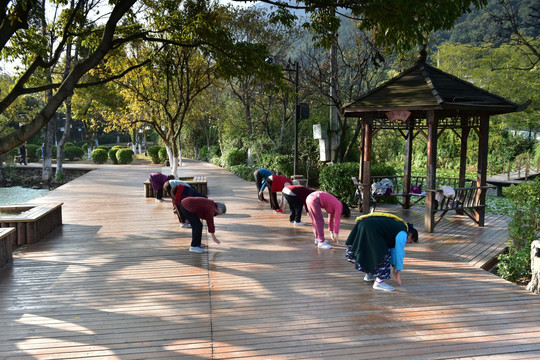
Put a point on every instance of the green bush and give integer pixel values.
(68, 144)
(112, 154)
(104, 147)
(244, 171)
(336, 180)
(209, 152)
(73, 152)
(124, 156)
(99, 155)
(153, 152)
(163, 157)
(54, 149)
(515, 265)
(234, 157)
(32, 152)
(523, 229)
(278, 164)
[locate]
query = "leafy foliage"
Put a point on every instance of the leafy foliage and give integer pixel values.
(112, 154)
(99, 155)
(523, 229)
(73, 152)
(234, 157)
(244, 171)
(336, 180)
(278, 164)
(124, 156)
(32, 151)
(162, 155)
(153, 152)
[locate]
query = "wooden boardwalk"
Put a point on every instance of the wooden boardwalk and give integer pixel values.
(117, 282)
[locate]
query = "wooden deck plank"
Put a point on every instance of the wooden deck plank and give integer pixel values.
(116, 282)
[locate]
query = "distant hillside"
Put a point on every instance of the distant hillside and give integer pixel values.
(474, 28)
(478, 26)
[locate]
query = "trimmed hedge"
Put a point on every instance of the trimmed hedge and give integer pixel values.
(124, 156)
(153, 153)
(73, 152)
(278, 164)
(32, 151)
(163, 157)
(336, 179)
(112, 154)
(244, 171)
(234, 157)
(99, 156)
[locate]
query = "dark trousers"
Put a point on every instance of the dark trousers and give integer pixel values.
(296, 205)
(258, 182)
(274, 205)
(178, 213)
(196, 226)
(159, 193)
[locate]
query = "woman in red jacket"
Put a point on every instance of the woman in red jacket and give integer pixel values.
(276, 183)
(195, 209)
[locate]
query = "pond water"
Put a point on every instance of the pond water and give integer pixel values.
(18, 194)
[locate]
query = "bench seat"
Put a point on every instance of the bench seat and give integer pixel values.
(199, 183)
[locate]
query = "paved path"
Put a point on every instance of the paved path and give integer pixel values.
(117, 282)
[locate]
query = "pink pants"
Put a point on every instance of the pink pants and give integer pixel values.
(315, 213)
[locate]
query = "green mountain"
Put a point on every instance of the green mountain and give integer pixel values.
(491, 23)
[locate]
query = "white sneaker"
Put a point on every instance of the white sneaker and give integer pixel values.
(196, 249)
(316, 242)
(369, 277)
(186, 225)
(299, 223)
(382, 286)
(324, 245)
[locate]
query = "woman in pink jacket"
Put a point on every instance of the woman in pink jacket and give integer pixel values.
(315, 202)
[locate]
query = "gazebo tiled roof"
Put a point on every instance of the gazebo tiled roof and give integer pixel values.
(424, 87)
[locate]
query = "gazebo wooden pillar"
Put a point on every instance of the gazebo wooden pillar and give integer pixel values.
(366, 161)
(431, 170)
(481, 176)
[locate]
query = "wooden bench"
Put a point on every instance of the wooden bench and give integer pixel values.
(31, 221)
(465, 201)
(418, 181)
(6, 250)
(199, 183)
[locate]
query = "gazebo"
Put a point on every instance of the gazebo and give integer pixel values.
(425, 100)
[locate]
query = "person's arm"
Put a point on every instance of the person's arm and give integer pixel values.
(398, 255)
(214, 238)
(263, 186)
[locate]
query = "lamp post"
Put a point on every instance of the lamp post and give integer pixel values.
(293, 68)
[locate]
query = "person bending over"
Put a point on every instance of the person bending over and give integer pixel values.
(195, 209)
(376, 245)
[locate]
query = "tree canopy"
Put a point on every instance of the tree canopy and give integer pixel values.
(38, 40)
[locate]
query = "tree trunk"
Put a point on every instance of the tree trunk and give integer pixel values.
(64, 139)
(46, 172)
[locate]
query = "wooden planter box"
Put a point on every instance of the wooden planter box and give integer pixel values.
(6, 250)
(31, 221)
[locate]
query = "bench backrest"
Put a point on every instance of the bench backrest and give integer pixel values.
(397, 181)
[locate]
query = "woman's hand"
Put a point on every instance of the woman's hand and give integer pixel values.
(215, 239)
(396, 275)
